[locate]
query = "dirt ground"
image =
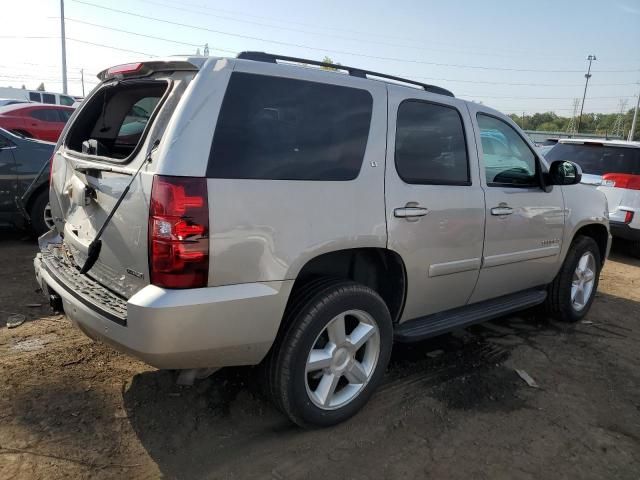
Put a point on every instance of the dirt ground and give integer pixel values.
(452, 407)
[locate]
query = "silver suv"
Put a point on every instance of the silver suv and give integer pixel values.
(260, 210)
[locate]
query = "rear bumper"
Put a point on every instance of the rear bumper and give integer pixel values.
(179, 329)
(624, 230)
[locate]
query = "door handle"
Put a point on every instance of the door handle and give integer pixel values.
(410, 212)
(501, 210)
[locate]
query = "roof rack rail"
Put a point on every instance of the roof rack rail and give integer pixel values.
(355, 72)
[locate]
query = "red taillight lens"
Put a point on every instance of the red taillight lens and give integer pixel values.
(628, 217)
(179, 232)
(623, 180)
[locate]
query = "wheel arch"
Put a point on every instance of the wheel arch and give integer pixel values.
(599, 233)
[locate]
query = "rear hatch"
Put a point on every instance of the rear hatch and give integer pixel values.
(110, 136)
(614, 169)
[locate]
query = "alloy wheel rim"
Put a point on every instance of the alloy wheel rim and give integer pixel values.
(342, 359)
(584, 278)
(48, 217)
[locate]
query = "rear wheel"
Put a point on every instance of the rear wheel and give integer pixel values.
(573, 290)
(333, 355)
(40, 213)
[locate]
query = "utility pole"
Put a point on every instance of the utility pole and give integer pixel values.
(64, 49)
(82, 80)
(587, 75)
(632, 132)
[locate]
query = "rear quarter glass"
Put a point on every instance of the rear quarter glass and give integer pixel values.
(277, 128)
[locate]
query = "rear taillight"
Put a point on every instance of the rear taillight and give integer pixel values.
(628, 217)
(179, 232)
(622, 180)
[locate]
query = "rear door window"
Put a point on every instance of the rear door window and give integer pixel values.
(48, 98)
(286, 129)
(45, 115)
(430, 144)
(598, 159)
(114, 120)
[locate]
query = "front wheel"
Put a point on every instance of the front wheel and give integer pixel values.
(573, 290)
(333, 355)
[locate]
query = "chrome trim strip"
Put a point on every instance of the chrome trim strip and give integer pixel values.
(457, 266)
(522, 256)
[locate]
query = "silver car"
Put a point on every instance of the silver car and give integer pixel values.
(268, 212)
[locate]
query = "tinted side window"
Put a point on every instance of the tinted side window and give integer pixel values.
(48, 98)
(4, 142)
(46, 115)
(508, 160)
(63, 115)
(285, 129)
(430, 144)
(68, 101)
(35, 97)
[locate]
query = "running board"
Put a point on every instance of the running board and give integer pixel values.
(443, 322)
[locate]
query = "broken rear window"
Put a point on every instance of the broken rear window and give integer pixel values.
(114, 121)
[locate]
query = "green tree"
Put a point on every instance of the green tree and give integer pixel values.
(327, 59)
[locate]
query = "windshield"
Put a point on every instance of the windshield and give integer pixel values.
(597, 159)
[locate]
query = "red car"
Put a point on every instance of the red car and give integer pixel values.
(35, 120)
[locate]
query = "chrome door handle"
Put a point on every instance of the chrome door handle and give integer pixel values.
(501, 210)
(410, 212)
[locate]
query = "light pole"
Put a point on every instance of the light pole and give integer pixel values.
(635, 119)
(587, 75)
(64, 49)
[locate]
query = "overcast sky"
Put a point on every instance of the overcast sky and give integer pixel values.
(515, 56)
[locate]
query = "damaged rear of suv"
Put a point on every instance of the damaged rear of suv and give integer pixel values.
(213, 212)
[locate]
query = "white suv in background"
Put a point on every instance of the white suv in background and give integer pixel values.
(614, 166)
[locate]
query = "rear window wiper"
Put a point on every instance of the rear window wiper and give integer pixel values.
(93, 252)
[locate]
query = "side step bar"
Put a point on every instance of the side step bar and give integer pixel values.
(439, 323)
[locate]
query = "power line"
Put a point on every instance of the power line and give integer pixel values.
(324, 34)
(465, 48)
(147, 36)
(342, 52)
(111, 47)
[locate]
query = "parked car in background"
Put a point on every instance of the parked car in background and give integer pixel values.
(42, 122)
(21, 160)
(36, 96)
(304, 220)
(614, 166)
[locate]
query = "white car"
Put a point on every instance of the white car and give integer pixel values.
(614, 166)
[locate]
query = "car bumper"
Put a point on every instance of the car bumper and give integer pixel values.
(625, 231)
(181, 329)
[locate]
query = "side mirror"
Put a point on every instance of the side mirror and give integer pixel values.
(563, 172)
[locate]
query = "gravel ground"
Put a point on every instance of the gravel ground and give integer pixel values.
(452, 407)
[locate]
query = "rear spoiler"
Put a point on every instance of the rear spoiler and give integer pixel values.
(144, 69)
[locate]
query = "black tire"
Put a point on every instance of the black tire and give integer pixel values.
(309, 313)
(634, 249)
(558, 302)
(38, 225)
